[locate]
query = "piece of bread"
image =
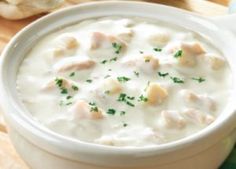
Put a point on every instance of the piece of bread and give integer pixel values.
(8, 156)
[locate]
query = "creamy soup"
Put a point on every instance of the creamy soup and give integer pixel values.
(124, 82)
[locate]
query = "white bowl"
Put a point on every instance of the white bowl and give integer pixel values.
(43, 149)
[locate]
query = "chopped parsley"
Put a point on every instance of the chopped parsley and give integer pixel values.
(69, 97)
(113, 59)
(142, 98)
(126, 99)
(59, 82)
(177, 80)
(199, 80)
(94, 107)
(64, 91)
(163, 74)
(89, 81)
(75, 88)
(123, 79)
(117, 47)
(122, 113)
(92, 103)
(72, 74)
(125, 125)
(104, 61)
(178, 54)
(157, 49)
(111, 111)
(136, 73)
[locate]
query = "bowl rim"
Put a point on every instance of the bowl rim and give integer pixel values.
(28, 125)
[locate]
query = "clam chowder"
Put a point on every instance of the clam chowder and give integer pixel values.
(124, 82)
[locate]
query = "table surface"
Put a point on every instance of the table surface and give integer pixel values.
(9, 28)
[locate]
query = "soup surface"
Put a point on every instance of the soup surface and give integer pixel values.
(124, 82)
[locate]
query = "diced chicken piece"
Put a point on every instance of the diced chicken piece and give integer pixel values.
(173, 119)
(112, 86)
(216, 62)
(146, 63)
(65, 44)
(154, 62)
(190, 51)
(199, 101)
(54, 83)
(159, 39)
(82, 110)
(198, 117)
(126, 36)
(156, 94)
(106, 44)
(73, 63)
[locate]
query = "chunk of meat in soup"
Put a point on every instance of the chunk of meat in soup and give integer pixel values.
(73, 64)
(82, 110)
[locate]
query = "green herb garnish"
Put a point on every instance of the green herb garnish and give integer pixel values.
(68, 97)
(163, 74)
(123, 79)
(64, 91)
(178, 54)
(104, 61)
(142, 98)
(122, 113)
(111, 111)
(125, 125)
(94, 107)
(89, 81)
(117, 47)
(177, 80)
(157, 49)
(200, 79)
(72, 74)
(59, 82)
(75, 88)
(113, 59)
(125, 98)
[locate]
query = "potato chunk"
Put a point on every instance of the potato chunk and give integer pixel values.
(106, 45)
(126, 36)
(82, 110)
(156, 94)
(190, 51)
(112, 86)
(154, 62)
(145, 63)
(198, 101)
(198, 117)
(58, 82)
(215, 62)
(65, 44)
(73, 63)
(173, 119)
(159, 39)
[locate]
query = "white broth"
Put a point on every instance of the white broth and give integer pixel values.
(124, 82)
